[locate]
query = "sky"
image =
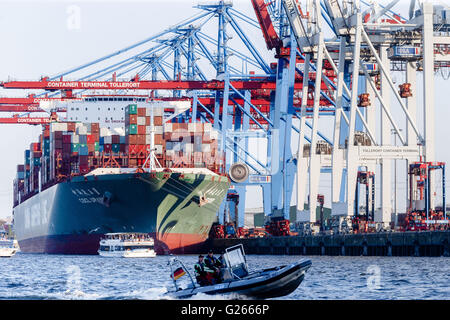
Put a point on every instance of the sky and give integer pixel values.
(42, 38)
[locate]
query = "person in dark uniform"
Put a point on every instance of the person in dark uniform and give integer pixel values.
(203, 274)
(214, 264)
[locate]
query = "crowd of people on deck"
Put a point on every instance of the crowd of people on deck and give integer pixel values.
(131, 237)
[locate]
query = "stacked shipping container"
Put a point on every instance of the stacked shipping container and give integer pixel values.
(190, 143)
(138, 132)
(67, 149)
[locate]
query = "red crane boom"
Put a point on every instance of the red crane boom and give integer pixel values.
(265, 22)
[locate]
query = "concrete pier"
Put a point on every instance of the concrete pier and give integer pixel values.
(425, 243)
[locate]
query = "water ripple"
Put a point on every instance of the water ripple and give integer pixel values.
(34, 276)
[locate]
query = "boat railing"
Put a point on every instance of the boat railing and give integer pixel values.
(173, 261)
(138, 243)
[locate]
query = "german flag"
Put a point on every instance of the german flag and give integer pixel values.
(178, 273)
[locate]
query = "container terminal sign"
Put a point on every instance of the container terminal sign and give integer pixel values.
(388, 152)
(93, 84)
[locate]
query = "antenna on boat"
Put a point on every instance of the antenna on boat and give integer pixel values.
(151, 156)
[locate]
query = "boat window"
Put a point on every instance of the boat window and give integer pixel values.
(236, 260)
(235, 257)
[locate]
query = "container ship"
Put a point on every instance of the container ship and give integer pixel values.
(138, 171)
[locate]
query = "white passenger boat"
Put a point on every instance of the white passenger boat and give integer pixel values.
(127, 245)
(8, 247)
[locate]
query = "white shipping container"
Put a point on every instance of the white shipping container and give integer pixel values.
(176, 146)
(148, 139)
(158, 111)
(105, 132)
(206, 148)
(207, 127)
(58, 126)
(158, 129)
(75, 139)
(159, 149)
(188, 147)
(108, 139)
(168, 127)
(82, 130)
(214, 135)
(191, 127)
(141, 121)
(170, 153)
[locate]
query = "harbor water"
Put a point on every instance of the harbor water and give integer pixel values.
(38, 276)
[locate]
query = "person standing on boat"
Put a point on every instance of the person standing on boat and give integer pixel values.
(214, 264)
(203, 274)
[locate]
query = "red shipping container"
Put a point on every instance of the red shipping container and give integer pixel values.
(37, 154)
(141, 129)
(91, 139)
(91, 147)
(66, 138)
(58, 144)
(83, 160)
(122, 147)
(35, 146)
(71, 126)
(136, 149)
(158, 121)
(95, 127)
(141, 139)
(107, 148)
(133, 118)
(147, 120)
(143, 148)
(159, 139)
(84, 169)
(58, 135)
(115, 139)
(141, 112)
(131, 149)
(167, 136)
(66, 148)
(132, 139)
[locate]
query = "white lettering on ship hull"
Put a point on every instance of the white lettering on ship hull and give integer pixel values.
(91, 200)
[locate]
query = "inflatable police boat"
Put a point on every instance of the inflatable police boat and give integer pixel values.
(261, 284)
